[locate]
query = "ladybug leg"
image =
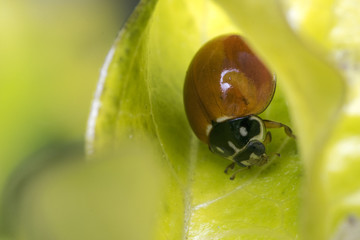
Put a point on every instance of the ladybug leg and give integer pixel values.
(272, 124)
(231, 166)
(268, 138)
(234, 174)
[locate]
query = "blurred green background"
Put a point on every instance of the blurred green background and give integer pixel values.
(51, 53)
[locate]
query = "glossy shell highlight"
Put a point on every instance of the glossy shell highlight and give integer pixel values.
(225, 80)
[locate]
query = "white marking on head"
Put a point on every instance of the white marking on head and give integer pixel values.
(246, 163)
(254, 156)
(243, 131)
(220, 149)
(253, 159)
(223, 118)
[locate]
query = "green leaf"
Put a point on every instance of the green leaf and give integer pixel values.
(140, 95)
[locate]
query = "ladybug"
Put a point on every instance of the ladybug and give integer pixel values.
(226, 87)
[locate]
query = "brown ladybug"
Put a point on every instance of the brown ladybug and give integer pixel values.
(226, 87)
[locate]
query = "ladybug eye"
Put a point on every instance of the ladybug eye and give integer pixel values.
(257, 148)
